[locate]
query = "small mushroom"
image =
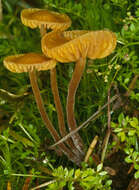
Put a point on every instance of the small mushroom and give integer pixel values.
(32, 62)
(59, 109)
(44, 19)
(70, 46)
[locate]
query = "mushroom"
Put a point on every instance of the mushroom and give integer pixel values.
(75, 46)
(44, 19)
(48, 19)
(32, 62)
(59, 109)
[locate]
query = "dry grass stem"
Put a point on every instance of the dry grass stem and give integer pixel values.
(91, 148)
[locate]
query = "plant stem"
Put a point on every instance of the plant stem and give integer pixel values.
(132, 85)
(91, 148)
(45, 118)
(57, 101)
(73, 85)
(42, 30)
(59, 109)
(55, 92)
(106, 139)
(1, 14)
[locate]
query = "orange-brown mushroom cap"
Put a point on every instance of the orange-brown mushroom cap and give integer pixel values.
(28, 62)
(69, 46)
(34, 17)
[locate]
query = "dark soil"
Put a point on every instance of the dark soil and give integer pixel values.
(121, 179)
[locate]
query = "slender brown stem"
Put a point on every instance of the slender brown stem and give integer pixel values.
(42, 30)
(59, 109)
(73, 85)
(57, 101)
(40, 105)
(45, 118)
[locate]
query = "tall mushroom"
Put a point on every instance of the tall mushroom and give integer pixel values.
(75, 46)
(45, 19)
(32, 62)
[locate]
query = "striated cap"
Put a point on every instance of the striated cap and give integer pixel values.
(34, 18)
(28, 62)
(69, 46)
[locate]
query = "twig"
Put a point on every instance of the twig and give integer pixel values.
(44, 184)
(26, 183)
(9, 186)
(1, 15)
(5, 95)
(91, 147)
(106, 139)
(130, 169)
(131, 85)
(85, 123)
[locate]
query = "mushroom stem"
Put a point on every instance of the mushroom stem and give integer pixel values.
(73, 85)
(42, 30)
(45, 118)
(40, 105)
(57, 101)
(59, 109)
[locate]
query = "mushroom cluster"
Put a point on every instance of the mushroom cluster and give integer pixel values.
(60, 46)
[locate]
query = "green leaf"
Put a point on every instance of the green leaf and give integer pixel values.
(134, 122)
(99, 167)
(108, 182)
(136, 175)
(132, 27)
(136, 166)
(131, 132)
(113, 125)
(70, 173)
(122, 136)
(103, 173)
(120, 118)
(89, 178)
(128, 159)
(117, 130)
(135, 155)
(70, 186)
(77, 173)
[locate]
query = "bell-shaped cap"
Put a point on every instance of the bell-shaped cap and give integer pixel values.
(28, 62)
(69, 46)
(34, 18)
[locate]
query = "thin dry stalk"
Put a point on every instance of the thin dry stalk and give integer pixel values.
(91, 148)
(131, 85)
(44, 184)
(106, 139)
(9, 187)
(27, 183)
(1, 14)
